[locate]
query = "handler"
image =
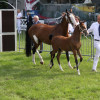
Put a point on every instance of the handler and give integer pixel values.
(95, 29)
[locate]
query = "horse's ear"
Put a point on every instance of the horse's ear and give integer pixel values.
(67, 11)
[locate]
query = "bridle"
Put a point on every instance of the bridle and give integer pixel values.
(82, 30)
(68, 17)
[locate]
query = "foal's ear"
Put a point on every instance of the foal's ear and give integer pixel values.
(82, 22)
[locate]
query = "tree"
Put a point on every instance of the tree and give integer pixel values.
(3, 5)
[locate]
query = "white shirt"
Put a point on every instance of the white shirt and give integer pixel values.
(19, 15)
(94, 29)
(71, 28)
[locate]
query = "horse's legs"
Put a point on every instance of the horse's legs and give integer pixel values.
(41, 59)
(52, 56)
(34, 50)
(67, 56)
(58, 56)
(37, 43)
(76, 61)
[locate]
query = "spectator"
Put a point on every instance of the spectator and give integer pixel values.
(95, 29)
(36, 20)
(19, 16)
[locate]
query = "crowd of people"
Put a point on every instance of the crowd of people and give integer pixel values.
(94, 29)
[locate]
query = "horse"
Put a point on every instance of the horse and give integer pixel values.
(72, 43)
(40, 33)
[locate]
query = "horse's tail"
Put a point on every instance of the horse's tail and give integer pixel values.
(50, 36)
(28, 45)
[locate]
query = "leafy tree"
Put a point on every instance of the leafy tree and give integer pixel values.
(3, 5)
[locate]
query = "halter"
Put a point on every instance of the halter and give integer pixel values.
(67, 18)
(72, 17)
(73, 21)
(82, 30)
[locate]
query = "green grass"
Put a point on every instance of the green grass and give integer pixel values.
(21, 80)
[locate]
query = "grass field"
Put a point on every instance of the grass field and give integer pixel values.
(21, 80)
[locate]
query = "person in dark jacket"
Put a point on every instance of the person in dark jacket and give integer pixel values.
(28, 39)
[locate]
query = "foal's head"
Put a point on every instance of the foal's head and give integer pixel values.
(82, 28)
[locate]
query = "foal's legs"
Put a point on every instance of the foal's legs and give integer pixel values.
(78, 52)
(76, 61)
(52, 56)
(58, 56)
(67, 56)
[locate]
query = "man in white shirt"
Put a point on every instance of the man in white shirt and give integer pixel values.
(19, 16)
(95, 29)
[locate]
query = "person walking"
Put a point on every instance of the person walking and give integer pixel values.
(19, 16)
(95, 29)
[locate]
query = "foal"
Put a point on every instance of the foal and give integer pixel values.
(72, 43)
(40, 32)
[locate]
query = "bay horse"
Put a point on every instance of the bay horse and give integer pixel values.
(40, 33)
(72, 43)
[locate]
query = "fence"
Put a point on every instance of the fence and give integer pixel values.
(87, 47)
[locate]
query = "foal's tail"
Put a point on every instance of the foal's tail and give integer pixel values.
(50, 36)
(28, 45)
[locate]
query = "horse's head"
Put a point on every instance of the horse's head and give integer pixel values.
(83, 28)
(71, 18)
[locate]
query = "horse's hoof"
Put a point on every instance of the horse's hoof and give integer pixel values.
(74, 67)
(71, 67)
(78, 72)
(34, 63)
(62, 70)
(50, 66)
(42, 63)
